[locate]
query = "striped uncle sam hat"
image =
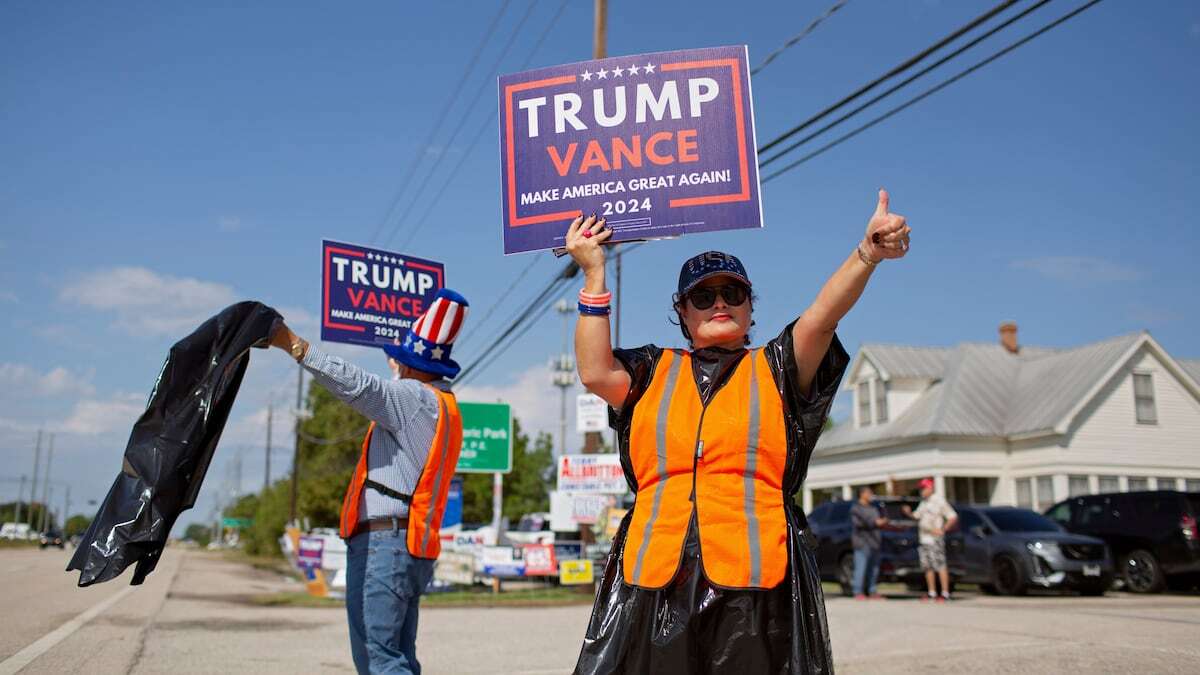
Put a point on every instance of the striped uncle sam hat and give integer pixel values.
(427, 345)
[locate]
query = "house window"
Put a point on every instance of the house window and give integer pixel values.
(1024, 493)
(1143, 398)
(1109, 484)
(981, 490)
(1192, 485)
(1077, 486)
(1045, 491)
(1165, 483)
(864, 404)
(881, 411)
(1138, 484)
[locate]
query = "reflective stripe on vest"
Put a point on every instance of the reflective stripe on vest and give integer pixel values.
(429, 496)
(733, 452)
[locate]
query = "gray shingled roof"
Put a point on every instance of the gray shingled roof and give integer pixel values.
(983, 390)
(1192, 366)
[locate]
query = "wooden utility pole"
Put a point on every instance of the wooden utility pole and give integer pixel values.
(592, 440)
(296, 450)
(600, 36)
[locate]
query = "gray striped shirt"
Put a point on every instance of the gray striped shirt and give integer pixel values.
(405, 413)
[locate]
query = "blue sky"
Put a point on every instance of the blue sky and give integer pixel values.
(160, 161)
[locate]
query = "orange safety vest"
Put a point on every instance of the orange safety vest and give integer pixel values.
(729, 455)
(428, 500)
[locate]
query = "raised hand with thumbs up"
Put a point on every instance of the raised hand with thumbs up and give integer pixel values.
(887, 233)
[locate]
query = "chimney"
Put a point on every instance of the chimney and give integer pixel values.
(1008, 337)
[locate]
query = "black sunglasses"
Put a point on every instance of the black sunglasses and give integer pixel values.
(704, 297)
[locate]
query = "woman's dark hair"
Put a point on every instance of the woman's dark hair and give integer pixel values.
(677, 307)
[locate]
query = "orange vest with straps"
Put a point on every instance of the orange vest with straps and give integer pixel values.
(427, 503)
(724, 461)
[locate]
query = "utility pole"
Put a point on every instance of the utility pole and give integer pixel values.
(270, 418)
(47, 521)
(564, 374)
(46, 485)
(66, 507)
(296, 448)
(600, 35)
(37, 458)
(20, 496)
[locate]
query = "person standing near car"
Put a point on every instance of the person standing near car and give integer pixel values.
(867, 540)
(934, 517)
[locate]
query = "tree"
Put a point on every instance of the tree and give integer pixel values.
(201, 534)
(76, 524)
(526, 488)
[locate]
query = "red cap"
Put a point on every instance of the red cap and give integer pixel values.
(925, 483)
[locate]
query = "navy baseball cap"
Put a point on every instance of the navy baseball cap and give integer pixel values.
(710, 264)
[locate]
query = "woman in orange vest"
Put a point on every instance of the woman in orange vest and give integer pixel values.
(713, 568)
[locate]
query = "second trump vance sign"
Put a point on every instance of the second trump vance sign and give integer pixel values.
(658, 144)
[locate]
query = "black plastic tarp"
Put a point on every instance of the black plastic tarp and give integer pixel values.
(172, 444)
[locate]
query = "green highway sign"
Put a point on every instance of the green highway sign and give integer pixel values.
(236, 522)
(487, 438)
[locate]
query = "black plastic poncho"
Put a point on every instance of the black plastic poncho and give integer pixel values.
(692, 626)
(172, 444)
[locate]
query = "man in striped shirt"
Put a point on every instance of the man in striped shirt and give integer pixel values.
(410, 455)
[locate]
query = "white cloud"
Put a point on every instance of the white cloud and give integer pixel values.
(24, 380)
(93, 416)
(147, 302)
(229, 223)
(535, 402)
(1079, 269)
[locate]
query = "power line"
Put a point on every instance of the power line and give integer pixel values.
(466, 115)
(477, 325)
(929, 92)
(799, 36)
(527, 317)
(441, 117)
(900, 85)
(917, 58)
(487, 124)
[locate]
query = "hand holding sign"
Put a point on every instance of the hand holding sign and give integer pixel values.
(585, 239)
(887, 233)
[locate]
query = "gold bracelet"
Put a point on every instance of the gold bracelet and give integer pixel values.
(866, 259)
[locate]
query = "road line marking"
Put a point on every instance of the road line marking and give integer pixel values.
(16, 662)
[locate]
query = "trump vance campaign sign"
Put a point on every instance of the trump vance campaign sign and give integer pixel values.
(659, 144)
(370, 296)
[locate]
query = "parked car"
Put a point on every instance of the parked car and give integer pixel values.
(533, 528)
(1009, 550)
(830, 523)
(52, 538)
(1153, 535)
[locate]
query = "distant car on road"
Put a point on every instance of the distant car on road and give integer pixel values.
(1008, 550)
(52, 538)
(830, 523)
(1153, 535)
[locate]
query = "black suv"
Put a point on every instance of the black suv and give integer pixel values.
(1153, 535)
(830, 523)
(51, 538)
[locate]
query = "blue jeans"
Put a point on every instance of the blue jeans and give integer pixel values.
(866, 570)
(383, 590)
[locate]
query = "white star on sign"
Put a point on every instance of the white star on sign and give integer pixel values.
(408, 340)
(586, 76)
(633, 70)
(437, 353)
(649, 67)
(602, 74)
(419, 348)
(368, 256)
(618, 71)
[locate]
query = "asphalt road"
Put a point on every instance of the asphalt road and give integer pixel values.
(195, 615)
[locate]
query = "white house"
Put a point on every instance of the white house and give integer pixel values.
(1009, 424)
